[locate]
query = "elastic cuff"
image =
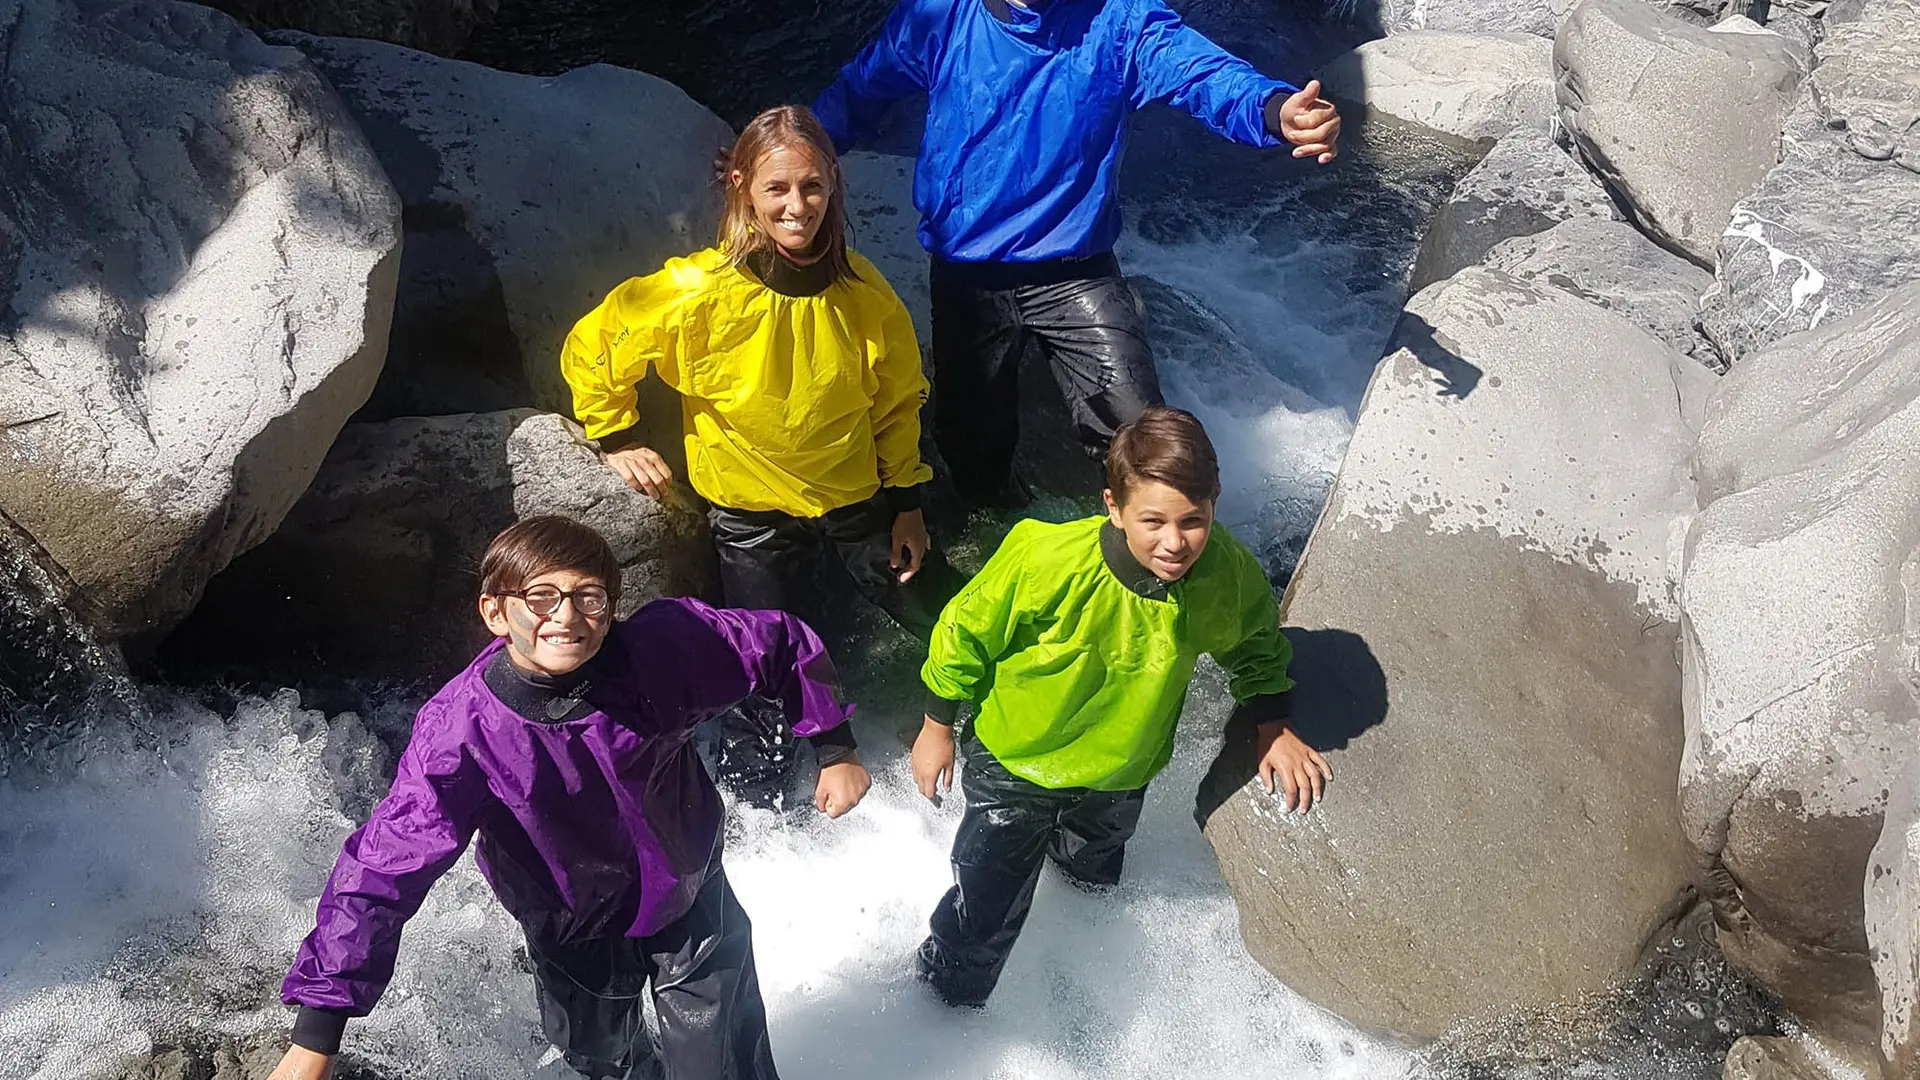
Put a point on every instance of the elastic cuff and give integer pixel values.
(616, 441)
(319, 1030)
(902, 499)
(1266, 709)
(1271, 113)
(941, 710)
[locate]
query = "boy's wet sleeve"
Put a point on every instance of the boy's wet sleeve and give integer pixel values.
(979, 623)
(384, 871)
(1175, 62)
(900, 391)
(773, 655)
(1256, 664)
(636, 328)
(892, 66)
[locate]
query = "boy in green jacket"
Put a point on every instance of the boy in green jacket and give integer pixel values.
(1077, 642)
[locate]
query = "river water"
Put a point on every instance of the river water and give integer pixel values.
(156, 876)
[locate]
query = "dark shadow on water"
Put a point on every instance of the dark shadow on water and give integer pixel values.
(1457, 376)
(1340, 691)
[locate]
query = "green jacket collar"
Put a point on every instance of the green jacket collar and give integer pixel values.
(1121, 564)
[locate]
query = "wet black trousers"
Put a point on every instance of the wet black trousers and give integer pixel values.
(705, 994)
(1091, 327)
(768, 560)
(1010, 828)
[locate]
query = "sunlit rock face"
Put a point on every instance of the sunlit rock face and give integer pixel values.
(197, 260)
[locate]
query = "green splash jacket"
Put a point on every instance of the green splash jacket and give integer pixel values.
(1079, 678)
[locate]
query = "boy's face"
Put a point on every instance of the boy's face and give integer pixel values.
(554, 643)
(1165, 530)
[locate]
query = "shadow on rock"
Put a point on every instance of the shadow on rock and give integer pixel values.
(1339, 691)
(1458, 376)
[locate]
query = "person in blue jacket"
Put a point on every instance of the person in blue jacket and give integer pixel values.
(1026, 123)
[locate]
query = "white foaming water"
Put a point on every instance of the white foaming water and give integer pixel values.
(154, 898)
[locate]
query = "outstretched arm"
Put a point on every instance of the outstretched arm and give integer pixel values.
(608, 352)
(1257, 676)
(1175, 62)
(893, 65)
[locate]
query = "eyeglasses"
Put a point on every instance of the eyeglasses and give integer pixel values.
(589, 600)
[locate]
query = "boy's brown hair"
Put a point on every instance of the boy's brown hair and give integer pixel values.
(539, 545)
(795, 128)
(1166, 445)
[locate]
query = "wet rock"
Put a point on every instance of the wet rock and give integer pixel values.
(438, 26)
(396, 523)
(1611, 264)
(1801, 630)
(1484, 635)
(1679, 121)
(197, 260)
(1535, 17)
(527, 200)
(1868, 83)
(1893, 921)
(1474, 87)
(1771, 1057)
(1827, 233)
(1526, 184)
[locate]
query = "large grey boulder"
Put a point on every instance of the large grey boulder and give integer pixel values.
(438, 26)
(197, 263)
(1610, 263)
(527, 200)
(1680, 122)
(1802, 585)
(1893, 920)
(396, 523)
(1868, 80)
(1483, 622)
(1526, 184)
(1471, 87)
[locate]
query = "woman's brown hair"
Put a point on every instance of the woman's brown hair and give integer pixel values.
(1165, 445)
(795, 128)
(539, 545)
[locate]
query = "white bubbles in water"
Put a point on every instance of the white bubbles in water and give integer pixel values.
(154, 896)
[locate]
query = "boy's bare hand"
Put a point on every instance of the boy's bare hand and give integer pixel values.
(933, 759)
(909, 536)
(643, 470)
(301, 1063)
(842, 785)
(1311, 123)
(1300, 770)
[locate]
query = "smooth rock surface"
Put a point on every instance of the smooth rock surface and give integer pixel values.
(438, 26)
(1827, 233)
(527, 200)
(197, 262)
(1474, 87)
(1611, 264)
(1868, 80)
(1484, 647)
(396, 523)
(1526, 184)
(1801, 630)
(1771, 1057)
(1680, 122)
(1893, 916)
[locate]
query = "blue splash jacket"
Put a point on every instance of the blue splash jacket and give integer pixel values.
(1026, 113)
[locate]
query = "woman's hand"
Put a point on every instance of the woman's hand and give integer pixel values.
(1311, 123)
(933, 760)
(1299, 768)
(910, 536)
(643, 470)
(842, 785)
(300, 1063)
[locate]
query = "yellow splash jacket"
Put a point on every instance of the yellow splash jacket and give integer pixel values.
(1079, 658)
(799, 394)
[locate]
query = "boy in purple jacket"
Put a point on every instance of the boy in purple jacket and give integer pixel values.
(565, 747)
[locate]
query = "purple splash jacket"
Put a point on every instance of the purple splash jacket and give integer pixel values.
(607, 824)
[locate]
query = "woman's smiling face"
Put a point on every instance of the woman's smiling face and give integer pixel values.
(790, 190)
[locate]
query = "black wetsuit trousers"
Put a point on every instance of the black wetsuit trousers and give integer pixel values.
(767, 560)
(1091, 327)
(1011, 827)
(706, 995)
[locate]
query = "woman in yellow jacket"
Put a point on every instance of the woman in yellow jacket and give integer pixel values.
(801, 385)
